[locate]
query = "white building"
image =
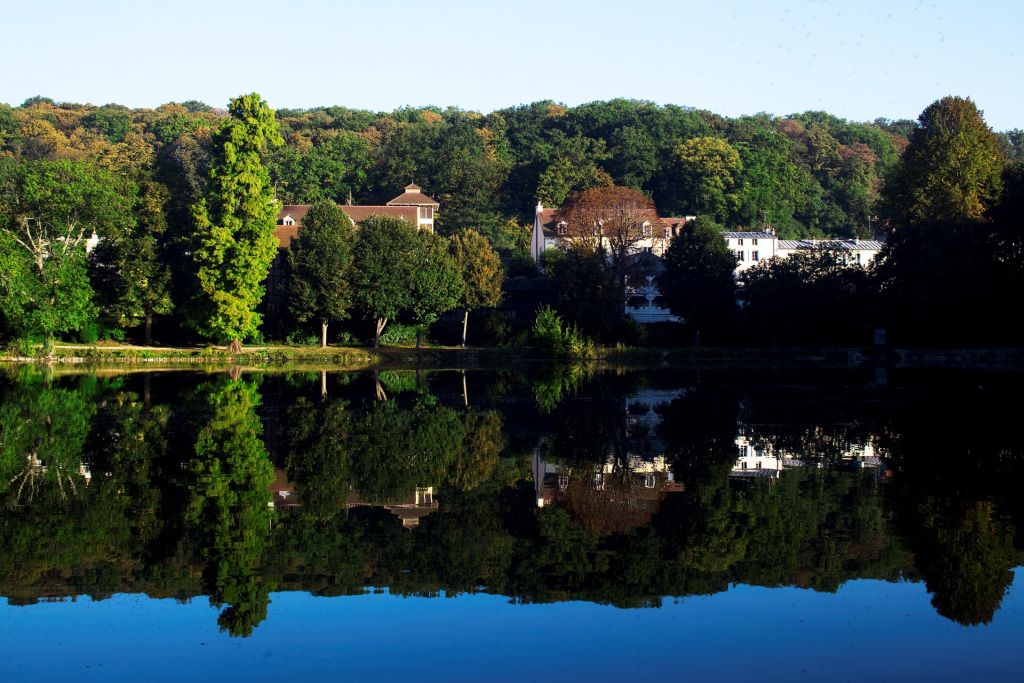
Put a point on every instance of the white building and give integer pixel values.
(751, 247)
(856, 251)
(549, 233)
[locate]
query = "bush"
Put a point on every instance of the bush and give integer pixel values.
(557, 339)
(90, 333)
(302, 338)
(397, 333)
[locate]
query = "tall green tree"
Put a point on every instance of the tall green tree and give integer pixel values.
(952, 171)
(320, 259)
(384, 252)
(436, 280)
(132, 281)
(938, 264)
(699, 281)
(481, 273)
(234, 244)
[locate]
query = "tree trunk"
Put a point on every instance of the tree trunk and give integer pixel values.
(465, 323)
(381, 322)
(149, 328)
(235, 346)
(465, 391)
(323, 385)
(323, 334)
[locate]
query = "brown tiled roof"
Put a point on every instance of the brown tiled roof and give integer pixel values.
(285, 234)
(672, 222)
(357, 214)
(413, 197)
(296, 211)
(547, 218)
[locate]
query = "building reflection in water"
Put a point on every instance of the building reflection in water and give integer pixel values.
(409, 510)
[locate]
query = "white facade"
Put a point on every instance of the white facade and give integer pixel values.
(857, 251)
(751, 247)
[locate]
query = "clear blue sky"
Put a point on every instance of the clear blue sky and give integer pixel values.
(859, 60)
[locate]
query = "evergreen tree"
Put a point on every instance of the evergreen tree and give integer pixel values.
(233, 244)
(320, 259)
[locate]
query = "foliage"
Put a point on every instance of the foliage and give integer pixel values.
(436, 280)
(233, 243)
(709, 167)
(585, 293)
(384, 252)
(320, 259)
(699, 282)
(811, 297)
(480, 270)
(229, 477)
(555, 338)
(952, 171)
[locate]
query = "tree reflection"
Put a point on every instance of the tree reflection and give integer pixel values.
(635, 491)
(227, 510)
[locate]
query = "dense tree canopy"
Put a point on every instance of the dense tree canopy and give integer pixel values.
(320, 260)
(233, 243)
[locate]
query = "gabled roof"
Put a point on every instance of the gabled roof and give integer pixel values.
(413, 196)
(296, 211)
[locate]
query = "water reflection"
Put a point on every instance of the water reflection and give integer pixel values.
(615, 487)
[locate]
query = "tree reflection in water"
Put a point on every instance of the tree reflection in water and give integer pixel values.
(617, 487)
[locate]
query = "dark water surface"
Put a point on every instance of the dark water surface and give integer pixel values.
(561, 524)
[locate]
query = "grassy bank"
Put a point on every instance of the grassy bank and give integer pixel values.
(285, 357)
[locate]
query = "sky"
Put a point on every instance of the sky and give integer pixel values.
(859, 60)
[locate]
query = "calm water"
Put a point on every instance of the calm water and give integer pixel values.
(562, 524)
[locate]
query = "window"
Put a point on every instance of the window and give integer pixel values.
(426, 213)
(739, 255)
(289, 221)
(739, 242)
(648, 230)
(753, 242)
(560, 229)
(754, 255)
(668, 233)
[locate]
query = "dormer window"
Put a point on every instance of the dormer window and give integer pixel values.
(288, 220)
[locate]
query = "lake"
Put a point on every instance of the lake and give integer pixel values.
(546, 523)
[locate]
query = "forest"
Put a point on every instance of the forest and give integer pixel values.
(154, 184)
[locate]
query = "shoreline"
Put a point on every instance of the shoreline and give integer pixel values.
(91, 357)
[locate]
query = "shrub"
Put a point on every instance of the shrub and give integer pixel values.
(396, 333)
(550, 334)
